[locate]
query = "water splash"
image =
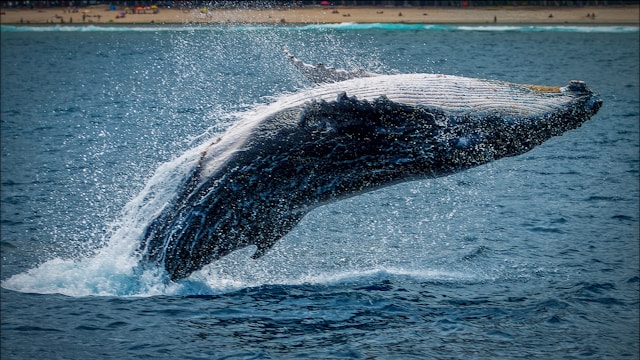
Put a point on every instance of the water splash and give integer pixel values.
(213, 97)
(113, 269)
(305, 256)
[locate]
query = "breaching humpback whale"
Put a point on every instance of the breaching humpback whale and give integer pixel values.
(355, 132)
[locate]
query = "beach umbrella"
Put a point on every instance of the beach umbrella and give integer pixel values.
(325, 3)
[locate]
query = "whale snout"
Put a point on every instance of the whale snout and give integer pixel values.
(592, 101)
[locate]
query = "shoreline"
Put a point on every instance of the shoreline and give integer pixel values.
(101, 15)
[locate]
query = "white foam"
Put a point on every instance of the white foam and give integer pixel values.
(113, 270)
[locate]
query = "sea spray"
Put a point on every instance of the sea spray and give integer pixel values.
(302, 257)
(189, 89)
(113, 270)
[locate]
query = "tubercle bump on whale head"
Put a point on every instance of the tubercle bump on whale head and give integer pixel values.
(580, 89)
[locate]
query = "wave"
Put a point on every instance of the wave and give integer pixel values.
(554, 28)
(93, 28)
(347, 26)
(484, 28)
(100, 278)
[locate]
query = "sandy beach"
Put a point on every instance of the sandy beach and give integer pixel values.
(101, 14)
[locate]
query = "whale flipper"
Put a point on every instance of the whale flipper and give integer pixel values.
(320, 74)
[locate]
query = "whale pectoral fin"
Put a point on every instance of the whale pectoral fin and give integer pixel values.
(321, 74)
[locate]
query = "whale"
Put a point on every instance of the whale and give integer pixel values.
(350, 133)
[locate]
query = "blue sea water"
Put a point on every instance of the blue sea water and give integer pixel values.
(535, 256)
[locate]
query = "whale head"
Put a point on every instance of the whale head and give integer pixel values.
(472, 139)
(385, 140)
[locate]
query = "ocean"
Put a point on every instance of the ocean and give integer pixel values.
(534, 256)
